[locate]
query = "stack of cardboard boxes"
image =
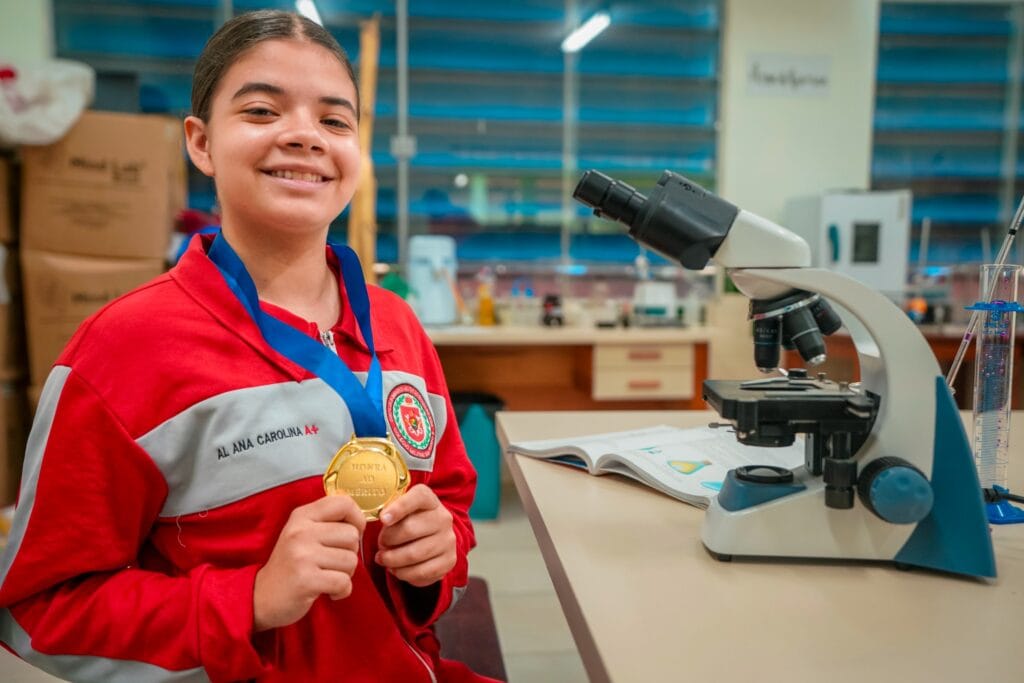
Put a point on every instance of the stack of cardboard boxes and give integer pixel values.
(97, 212)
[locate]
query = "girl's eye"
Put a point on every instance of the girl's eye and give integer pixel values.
(259, 111)
(337, 123)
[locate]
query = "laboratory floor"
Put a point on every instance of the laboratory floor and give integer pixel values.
(535, 639)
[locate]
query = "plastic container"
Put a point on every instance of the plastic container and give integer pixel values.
(475, 415)
(432, 272)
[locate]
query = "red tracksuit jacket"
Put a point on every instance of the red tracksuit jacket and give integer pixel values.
(169, 447)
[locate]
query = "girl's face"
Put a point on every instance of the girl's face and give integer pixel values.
(282, 139)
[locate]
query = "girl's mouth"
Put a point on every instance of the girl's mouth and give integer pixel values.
(297, 175)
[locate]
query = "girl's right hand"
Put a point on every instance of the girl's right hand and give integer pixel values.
(316, 553)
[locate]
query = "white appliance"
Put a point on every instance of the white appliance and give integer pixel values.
(654, 303)
(865, 235)
(432, 273)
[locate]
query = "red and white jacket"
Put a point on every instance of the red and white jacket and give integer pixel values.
(168, 449)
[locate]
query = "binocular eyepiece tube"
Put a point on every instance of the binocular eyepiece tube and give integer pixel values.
(680, 219)
(609, 198)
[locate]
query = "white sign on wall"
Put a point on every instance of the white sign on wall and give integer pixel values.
(788, 75)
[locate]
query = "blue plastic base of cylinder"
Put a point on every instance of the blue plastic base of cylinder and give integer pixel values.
(477, 428)
(1004, 513)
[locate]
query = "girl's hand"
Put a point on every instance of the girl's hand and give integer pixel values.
(417, 543)
(316, 553)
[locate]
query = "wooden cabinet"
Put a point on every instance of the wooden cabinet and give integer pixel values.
(578, 369)
(643, 371)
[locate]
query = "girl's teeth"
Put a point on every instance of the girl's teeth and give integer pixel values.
(290, 175)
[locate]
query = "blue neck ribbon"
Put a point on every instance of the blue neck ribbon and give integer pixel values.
(365, 403)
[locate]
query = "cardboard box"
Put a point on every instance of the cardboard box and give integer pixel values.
(13, 364)
(14, 427)
(63, 290)
(7, 232)
(111, 187)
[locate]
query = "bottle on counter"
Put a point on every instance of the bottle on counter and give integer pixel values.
(553, 315)
(531, 308)
(515, 306)
(485, 298)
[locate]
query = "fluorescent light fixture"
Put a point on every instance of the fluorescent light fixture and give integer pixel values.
(586, 32)
(307, 8)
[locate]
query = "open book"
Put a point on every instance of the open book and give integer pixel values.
(688, 464)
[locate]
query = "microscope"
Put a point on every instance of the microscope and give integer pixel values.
(888, 472)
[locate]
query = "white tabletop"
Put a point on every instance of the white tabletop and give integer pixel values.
(646, 602)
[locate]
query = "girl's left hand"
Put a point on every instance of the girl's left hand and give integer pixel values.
(417, 543)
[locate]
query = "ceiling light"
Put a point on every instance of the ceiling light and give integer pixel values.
(585, 32)
(307, 8)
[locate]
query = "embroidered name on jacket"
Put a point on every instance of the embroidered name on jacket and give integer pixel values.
(265, 438)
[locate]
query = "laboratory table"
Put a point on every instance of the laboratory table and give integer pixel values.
(646, 602)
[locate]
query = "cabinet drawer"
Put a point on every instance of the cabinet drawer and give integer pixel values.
(642, 355)
(664, 381)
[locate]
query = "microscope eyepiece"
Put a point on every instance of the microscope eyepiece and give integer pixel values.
(680, 219)
(609, 198)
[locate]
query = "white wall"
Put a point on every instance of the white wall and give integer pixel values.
(26, 31)
(774, 146)
(788, 143)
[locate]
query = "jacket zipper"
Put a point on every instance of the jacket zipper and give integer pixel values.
(430, 672)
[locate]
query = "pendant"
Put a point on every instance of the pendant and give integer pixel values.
(370, 470)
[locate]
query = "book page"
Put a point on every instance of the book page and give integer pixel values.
(694, 462)
(688, 464)
(592, 446)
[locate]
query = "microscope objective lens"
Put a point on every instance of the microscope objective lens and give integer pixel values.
(767, 338)
(800, 328)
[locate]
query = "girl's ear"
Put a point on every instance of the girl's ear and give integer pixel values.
(197, 140)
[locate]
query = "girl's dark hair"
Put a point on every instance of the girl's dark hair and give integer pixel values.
(246, 31)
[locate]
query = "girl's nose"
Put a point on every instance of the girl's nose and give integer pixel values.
(303, 133)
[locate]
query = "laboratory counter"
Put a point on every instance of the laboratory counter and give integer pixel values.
(577, 368)
(646, 602)
(539, 335)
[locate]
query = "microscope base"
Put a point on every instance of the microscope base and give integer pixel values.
(954, 537)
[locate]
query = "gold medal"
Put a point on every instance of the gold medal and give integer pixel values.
(370, 470)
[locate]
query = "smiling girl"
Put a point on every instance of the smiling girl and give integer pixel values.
(172, 523)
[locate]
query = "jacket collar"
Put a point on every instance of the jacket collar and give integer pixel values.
(198, 276)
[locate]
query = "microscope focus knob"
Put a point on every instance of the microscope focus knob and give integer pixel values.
(895, 490)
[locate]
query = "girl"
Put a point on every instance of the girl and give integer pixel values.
(172, 523)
